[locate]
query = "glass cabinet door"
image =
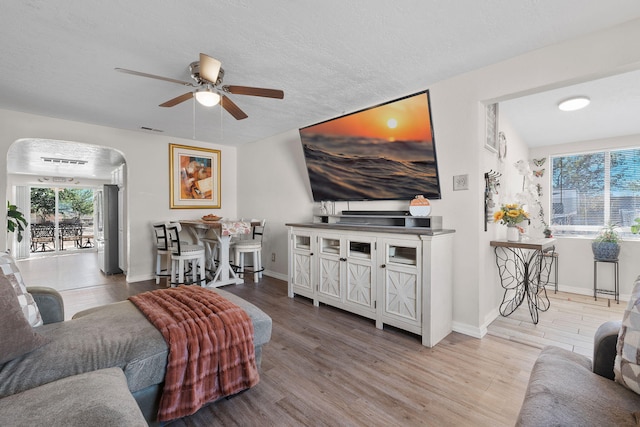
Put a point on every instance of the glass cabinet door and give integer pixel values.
(402, 255)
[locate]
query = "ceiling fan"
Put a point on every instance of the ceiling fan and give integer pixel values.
(207, 75)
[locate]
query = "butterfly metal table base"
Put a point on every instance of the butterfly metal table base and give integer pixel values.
(524, 273)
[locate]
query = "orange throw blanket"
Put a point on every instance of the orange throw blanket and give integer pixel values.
(211, 352)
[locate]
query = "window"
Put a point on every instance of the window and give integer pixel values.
(594, 189)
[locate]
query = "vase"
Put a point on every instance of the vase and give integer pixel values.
(605, 251)
(513, 234)
(420, 206)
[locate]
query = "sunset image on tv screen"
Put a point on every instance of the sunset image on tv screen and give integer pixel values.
(385, 152)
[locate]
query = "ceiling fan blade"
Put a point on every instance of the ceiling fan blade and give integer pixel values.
(254, 91)
(209, 68)
(232, 108)
(177, 100)
(153, 76)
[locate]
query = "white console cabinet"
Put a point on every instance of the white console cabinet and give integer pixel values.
(397, 276)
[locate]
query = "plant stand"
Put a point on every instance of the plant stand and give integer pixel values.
(616, 280)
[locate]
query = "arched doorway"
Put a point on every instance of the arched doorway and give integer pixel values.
(65, 177)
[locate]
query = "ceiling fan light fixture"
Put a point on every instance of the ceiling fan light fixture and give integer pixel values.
(574, 103)
(207, 97)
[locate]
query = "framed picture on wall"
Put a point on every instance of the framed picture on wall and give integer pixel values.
(492, 142)
(194, 175)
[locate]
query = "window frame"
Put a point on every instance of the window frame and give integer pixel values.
(590, 231)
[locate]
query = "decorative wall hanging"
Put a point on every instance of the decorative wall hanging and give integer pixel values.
(491, 142)
(194, 177)
(539, 173)
(491, 185)
(539, 162)
(502, 146)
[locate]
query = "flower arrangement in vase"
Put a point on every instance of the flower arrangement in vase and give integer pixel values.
(511, 215)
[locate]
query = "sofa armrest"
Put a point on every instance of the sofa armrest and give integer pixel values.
(49, 303)
(604, 348)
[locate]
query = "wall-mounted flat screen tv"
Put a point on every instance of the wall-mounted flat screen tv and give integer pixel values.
(386, 152)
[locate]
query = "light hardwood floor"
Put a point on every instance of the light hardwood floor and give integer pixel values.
(327, 367)
(570, 322)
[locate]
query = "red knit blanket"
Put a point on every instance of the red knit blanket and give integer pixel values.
(211, 352)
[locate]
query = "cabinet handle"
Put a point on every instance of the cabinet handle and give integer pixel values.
(383, 266)
(343, 259)
(311, 254)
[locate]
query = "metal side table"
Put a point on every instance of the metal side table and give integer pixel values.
(524, 273)
(616, 280)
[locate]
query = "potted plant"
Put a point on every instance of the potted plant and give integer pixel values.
(606, 246)
(635, 227)
(16, 222)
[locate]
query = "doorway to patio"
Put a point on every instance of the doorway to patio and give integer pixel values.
(61, 219)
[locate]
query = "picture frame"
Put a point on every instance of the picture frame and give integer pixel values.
(194, 177)
(492, 141)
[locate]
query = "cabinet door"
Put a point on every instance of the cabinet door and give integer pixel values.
(329, 267)
(360, 276)
(402, 290)
(301, 264)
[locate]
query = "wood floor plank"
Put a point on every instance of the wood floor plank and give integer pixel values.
(326, 367)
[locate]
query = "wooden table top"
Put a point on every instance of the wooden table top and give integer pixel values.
(536, 244)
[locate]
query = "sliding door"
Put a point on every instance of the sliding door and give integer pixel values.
(62, 219)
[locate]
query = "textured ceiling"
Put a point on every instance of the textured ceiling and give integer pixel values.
(48, 158)
(329, 57)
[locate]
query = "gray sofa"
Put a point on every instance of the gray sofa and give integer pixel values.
(568, 389)
(115, 335)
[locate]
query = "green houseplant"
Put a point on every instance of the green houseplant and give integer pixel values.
(635, 227)
(16, 221)
(606, 245)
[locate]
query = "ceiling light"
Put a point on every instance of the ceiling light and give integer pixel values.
(207, 97)
(573, 104)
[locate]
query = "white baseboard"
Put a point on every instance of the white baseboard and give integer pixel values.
(472, 331)
(585, 291)
(140, 277)
(276, 275)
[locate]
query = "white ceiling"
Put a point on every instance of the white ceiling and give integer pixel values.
(613, 112)
(329, 57)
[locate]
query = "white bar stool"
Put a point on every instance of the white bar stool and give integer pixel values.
(163, 252)
(183, 257)
(252, 246)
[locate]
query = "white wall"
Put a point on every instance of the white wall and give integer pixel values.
(147, 157)
(576, 258)
(458, 121)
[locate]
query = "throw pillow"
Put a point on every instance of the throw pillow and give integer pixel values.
(16, 335)
(627, 363)
(29, 307)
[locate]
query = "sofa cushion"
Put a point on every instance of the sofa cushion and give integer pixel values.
(16, 335)
(10, 270)
(563, 391)
(98, 398)
(117, 335)
(114, 335)
(627, 362)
